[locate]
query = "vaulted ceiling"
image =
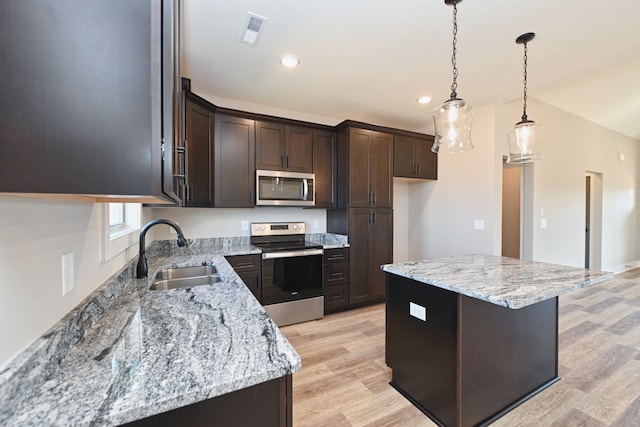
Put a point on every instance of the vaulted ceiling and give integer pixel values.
(369, 60)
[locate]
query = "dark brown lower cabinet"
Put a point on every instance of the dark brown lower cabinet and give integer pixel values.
(336, 279)
(463, 361)
(265, 404)
(371, 244)
(249, 269)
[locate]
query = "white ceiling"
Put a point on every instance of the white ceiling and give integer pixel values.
(368, 60)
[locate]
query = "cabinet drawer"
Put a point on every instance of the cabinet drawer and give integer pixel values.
(245, 262)
(335, 297)
(336, 255)
(336, 273)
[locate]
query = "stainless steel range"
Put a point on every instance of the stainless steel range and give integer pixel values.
(291, 272)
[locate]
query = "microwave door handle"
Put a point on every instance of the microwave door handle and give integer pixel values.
(305, 189)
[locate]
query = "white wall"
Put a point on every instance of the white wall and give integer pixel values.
(205, 222)
(401, 220)
(441, 213)
(34, 235)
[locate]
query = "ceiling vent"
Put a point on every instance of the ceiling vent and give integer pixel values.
(253, 29)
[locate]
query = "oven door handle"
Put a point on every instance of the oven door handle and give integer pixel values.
(291, 254)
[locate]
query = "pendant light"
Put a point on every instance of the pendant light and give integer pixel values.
(524, 137)
(452, 119)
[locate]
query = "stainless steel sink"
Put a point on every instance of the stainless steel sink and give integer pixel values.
(185, 277)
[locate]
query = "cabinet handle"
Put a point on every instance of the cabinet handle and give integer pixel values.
(286, 159)
(413, 171)
(374, 217)
(337, 274)
(418, 169)
(374, 198)
(335, 257)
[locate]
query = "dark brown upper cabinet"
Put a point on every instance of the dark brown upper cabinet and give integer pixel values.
(89, 102)
(198, 148)
(413, 158)
(325, 168)
(234, 164)
(284, 148)
(366, 167)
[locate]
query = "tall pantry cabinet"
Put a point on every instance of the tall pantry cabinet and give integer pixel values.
(365, 202)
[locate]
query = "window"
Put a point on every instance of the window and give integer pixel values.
(121, 223)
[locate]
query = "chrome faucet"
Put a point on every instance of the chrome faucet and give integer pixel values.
(142, 259)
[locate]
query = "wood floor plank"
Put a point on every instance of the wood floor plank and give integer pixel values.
(345, 382)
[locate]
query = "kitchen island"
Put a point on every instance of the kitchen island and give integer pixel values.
(183, 356)
(469, 338)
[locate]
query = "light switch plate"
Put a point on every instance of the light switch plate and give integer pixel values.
(245, 225)
(543, 223)
(418, 311)
(478, 224)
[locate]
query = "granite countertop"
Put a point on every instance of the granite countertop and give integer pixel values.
(126, 352)
(508, 282)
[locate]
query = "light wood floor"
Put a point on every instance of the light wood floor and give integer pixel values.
(344, 380)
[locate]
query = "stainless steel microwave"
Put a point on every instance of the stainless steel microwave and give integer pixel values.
(277, 188)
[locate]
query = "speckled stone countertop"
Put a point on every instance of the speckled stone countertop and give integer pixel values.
(508, 282)
(126, 352)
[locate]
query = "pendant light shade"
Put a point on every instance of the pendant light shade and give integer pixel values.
(524, 138)
(452, 119)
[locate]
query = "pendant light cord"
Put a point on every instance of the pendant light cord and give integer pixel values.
(524, 107)
(454, 85)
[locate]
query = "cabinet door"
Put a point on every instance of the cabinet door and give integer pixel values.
(381, 169)
(380, 249)
(359, 289)
(270, 151)
(359, 191)
(425, 159)
(234, 162)
(76, 119)
(298, 156)
(199, 125)
(325, 168)
(403, 159)
(252, 280)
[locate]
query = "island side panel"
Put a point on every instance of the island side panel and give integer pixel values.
(422, 353)
(506, 356)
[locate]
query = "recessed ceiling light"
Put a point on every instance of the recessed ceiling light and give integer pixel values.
(424, 100)
(289, 61)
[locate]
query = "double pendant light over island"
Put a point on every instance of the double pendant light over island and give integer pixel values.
(452, 119)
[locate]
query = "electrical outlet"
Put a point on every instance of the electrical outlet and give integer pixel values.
(543, 223)
(478, 224)
(316, 223)
(245, 225)
(67, 273)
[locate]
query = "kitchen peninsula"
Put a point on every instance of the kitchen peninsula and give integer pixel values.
(184, 356)
(469, 338)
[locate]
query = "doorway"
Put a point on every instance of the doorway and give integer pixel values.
(511, 203)
(593, 220)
